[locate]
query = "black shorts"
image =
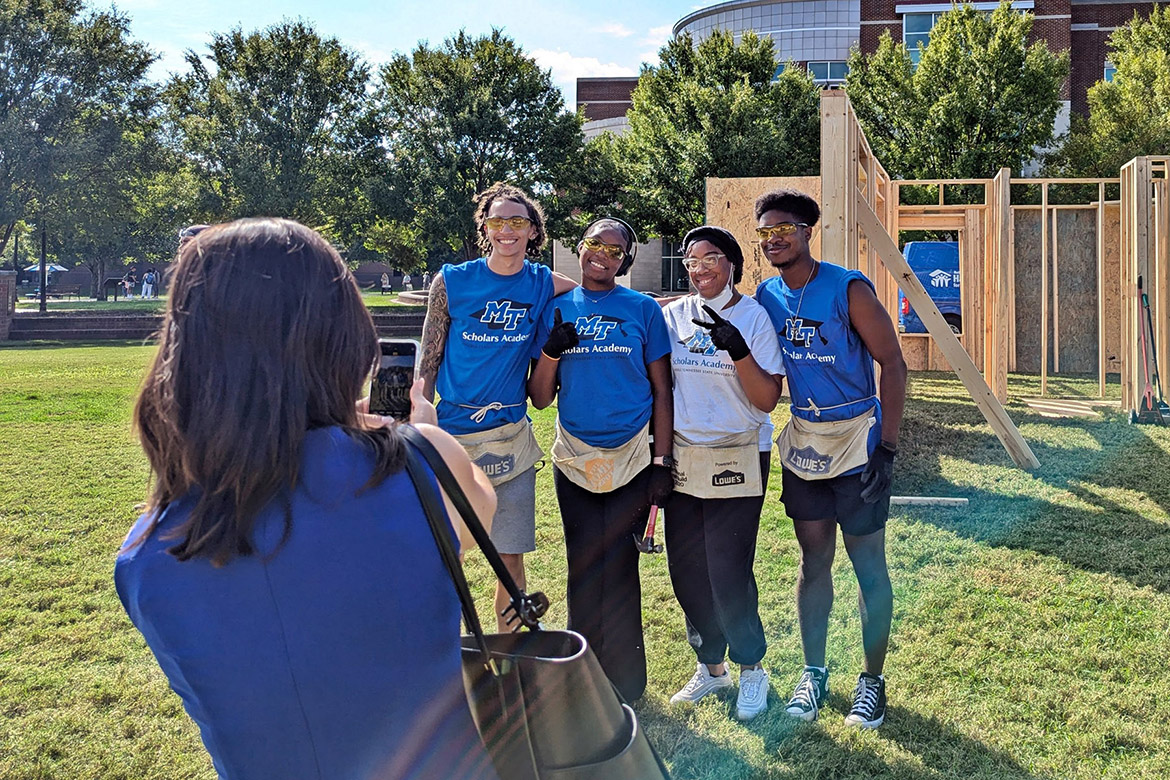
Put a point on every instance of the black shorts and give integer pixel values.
(838, 498)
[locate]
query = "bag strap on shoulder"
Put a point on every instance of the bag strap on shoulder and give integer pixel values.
(526, 608)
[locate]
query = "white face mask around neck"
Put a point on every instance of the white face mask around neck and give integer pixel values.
(722, 299)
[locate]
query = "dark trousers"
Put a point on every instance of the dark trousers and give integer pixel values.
(711, 549)
(605, 594)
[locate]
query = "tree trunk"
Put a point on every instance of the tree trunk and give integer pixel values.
(4, 241)
(44, 276)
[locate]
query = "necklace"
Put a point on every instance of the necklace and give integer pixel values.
(800, 301)
(596, 301)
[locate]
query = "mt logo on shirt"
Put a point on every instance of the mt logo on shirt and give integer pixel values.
(800, 331)
(596, 326)
(700, 343)
(505, 314)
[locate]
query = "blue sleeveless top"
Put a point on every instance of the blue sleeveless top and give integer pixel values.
(490, 344)
(827, 364)
(334, 655)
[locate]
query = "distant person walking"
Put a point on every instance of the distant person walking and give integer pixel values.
(385, 282)
(148, 282)
(128, 282)
(426, 280)
(406, 283)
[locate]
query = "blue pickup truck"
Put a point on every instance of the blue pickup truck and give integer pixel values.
(936, 264)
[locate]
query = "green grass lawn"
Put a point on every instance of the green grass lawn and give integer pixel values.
(1030, 630)
(373, 300)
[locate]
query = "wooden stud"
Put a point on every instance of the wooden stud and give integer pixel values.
(1044, 290)
(1101, 348)
(941, 501)
(1021, 454)
(1055, 294)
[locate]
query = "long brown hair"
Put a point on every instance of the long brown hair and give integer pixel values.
(265, 337)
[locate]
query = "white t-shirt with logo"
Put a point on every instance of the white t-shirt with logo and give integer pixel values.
(709, 401)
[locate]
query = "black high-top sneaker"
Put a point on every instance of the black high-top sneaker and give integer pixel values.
(869, 702)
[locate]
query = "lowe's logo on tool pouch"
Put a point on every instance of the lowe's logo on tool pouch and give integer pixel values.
(726, 478)
(503, 314)
(495, 465)
(808, 460)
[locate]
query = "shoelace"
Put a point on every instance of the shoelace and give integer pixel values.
(865, 697)
(751, 685)
(806, 691)
(695, 683)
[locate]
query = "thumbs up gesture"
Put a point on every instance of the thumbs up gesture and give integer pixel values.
(724, 335)
(561, 338)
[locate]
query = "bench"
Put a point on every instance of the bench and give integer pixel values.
(57, 291)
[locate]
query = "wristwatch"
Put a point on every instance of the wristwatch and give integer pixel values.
(664, 460)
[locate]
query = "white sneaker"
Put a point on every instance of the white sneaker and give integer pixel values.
(753, 694)
(700, 685)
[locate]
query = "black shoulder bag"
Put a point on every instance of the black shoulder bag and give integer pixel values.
(544, 708)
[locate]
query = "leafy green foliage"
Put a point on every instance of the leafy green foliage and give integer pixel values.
(980, 99)
(456, 119)
(1129, 116)
(71, 84)
(712, 110)
(274, 127)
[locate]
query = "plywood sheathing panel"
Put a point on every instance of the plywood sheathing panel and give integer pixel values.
(731, 205)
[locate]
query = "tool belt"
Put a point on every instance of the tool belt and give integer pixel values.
(503, 453)
(600, 469)
(823, 450)
(726, 468)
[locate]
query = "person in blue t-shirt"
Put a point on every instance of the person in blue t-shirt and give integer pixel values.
(478, 345)
(837, 451)
(606, 357)
(284, 575)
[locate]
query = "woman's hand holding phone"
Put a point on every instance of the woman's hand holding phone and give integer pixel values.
(421, 410)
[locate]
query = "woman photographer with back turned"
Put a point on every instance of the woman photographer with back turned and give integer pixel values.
(284, 574)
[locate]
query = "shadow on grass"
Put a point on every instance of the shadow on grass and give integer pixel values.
(1115, 476)
(795, 749)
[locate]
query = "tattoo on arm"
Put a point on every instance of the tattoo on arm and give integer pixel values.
(436, 326)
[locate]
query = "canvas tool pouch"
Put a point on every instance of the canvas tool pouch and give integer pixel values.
(504, 452)
(600, 469)
(823, 450)
(726, 468)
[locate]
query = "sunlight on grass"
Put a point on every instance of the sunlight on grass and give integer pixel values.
(1030, 630)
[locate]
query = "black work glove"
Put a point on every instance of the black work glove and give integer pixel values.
(661, 485)
(875, 480)
(724, 335)
(561, 338)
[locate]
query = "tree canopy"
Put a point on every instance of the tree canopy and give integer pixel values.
(274, 126)
(457, 118)
(979, 99)
(70, 85)
(712, 109)
(1130, 115)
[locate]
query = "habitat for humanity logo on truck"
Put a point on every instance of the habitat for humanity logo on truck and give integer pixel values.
(936, 264)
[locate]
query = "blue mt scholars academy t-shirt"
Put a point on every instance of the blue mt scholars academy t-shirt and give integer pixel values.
(605, 398)
(494, 319)
(826, 361)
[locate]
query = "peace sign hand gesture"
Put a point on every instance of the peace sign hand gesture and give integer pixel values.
(724, 335)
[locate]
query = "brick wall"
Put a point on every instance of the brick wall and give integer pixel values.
(7, 301)
(605, 98)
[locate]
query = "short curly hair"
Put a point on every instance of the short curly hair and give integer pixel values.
(794, 202)
(502, 191)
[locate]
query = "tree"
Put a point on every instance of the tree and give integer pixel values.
(458, 118)
(274, 127)
(66, 82)
(713, 110)
(980, 98)
(1129, 116)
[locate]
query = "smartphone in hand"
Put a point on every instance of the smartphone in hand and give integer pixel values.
(392, 378)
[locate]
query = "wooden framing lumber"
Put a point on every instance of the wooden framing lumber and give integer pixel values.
(957, 503)
(1102, 357)
(1021, 454)
(1043, 290)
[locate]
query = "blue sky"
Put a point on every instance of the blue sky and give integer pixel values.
(572, 38)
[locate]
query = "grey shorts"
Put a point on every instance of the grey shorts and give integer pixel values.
(514, 526)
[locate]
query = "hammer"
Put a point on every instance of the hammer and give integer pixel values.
(647, 545)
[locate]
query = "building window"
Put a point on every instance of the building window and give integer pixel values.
(916, 29)
(674, 276)
(1110, 72)
(779, 69)
(828, 73)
